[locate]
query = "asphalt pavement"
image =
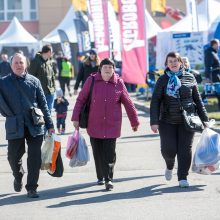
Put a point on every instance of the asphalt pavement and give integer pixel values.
(140, 189)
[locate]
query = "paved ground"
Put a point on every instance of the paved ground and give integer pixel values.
(140, 192)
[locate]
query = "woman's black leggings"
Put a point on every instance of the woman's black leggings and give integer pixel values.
(176, 140)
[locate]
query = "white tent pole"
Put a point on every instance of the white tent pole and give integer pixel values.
(197, 19)
(208, 19)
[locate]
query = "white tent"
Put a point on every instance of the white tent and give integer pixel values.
(207, 12)
(67, 24)
(17, 36)
(152, 28)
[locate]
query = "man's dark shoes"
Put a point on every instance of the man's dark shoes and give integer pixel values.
(17, 185)
(109, 186)
(32, 194)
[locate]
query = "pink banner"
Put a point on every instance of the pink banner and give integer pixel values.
(132, 25)
(99, 14)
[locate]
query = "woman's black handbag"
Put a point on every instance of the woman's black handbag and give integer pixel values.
(84, 114)
(191, 120)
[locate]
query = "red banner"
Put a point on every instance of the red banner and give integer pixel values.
(99, 14)
(132, 25)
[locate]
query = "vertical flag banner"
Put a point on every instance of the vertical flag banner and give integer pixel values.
(192, 11)
(115, 5)
(158, 8)
(80, 5)
(132, 26)
(114, 35)
(65, 45)
(99, 15)
(81, 25)
(82, 30)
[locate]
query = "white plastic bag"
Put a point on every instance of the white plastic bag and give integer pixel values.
(46, 153)
(207, 154)
(206, 169)
(82, 154)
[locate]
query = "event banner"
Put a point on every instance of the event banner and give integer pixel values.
(189, 45)
(82, 30)
(99, 15)
(133, 37)
(65, 44)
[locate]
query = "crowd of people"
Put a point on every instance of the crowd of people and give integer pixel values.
(37, 80)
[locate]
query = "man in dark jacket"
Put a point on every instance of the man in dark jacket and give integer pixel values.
(42, 67)
(19, 124)
(5, 67)
(212, 64)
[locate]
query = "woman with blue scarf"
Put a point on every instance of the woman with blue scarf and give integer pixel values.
(166, 116)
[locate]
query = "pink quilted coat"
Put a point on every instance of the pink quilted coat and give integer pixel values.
(105, 116)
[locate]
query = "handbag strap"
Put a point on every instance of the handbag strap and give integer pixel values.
(179, 101)
(23, 93)
(90, 90)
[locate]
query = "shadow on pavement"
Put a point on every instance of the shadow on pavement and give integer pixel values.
(140, 136)
(134, 194)
(73, 190)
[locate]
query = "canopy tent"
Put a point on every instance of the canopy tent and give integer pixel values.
(53, 36)
(17, 36)
(214, 31)
(207, 12)
(67, 25)
(152, 28)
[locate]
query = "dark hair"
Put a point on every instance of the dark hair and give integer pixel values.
(173, 55)
(46, 48)
(213, 42)
(107, 61)
(93, 51)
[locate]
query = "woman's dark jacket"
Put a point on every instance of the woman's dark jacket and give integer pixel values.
(167, 108)
(84, 72)
(44, 71)
(15, 108)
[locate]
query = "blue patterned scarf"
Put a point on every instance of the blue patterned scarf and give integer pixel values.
(174, 83)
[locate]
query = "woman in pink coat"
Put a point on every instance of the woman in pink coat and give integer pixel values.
(105, 118)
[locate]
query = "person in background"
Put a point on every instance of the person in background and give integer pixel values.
(212, 62)
(42, 67)
(90, 65)
(196, 73)
(59, 59)
(166, 116)
(105, 117)
(79, 62)
(212, 65)
(61, 107)
(5, 67)
(19, 124)
(65, 75)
